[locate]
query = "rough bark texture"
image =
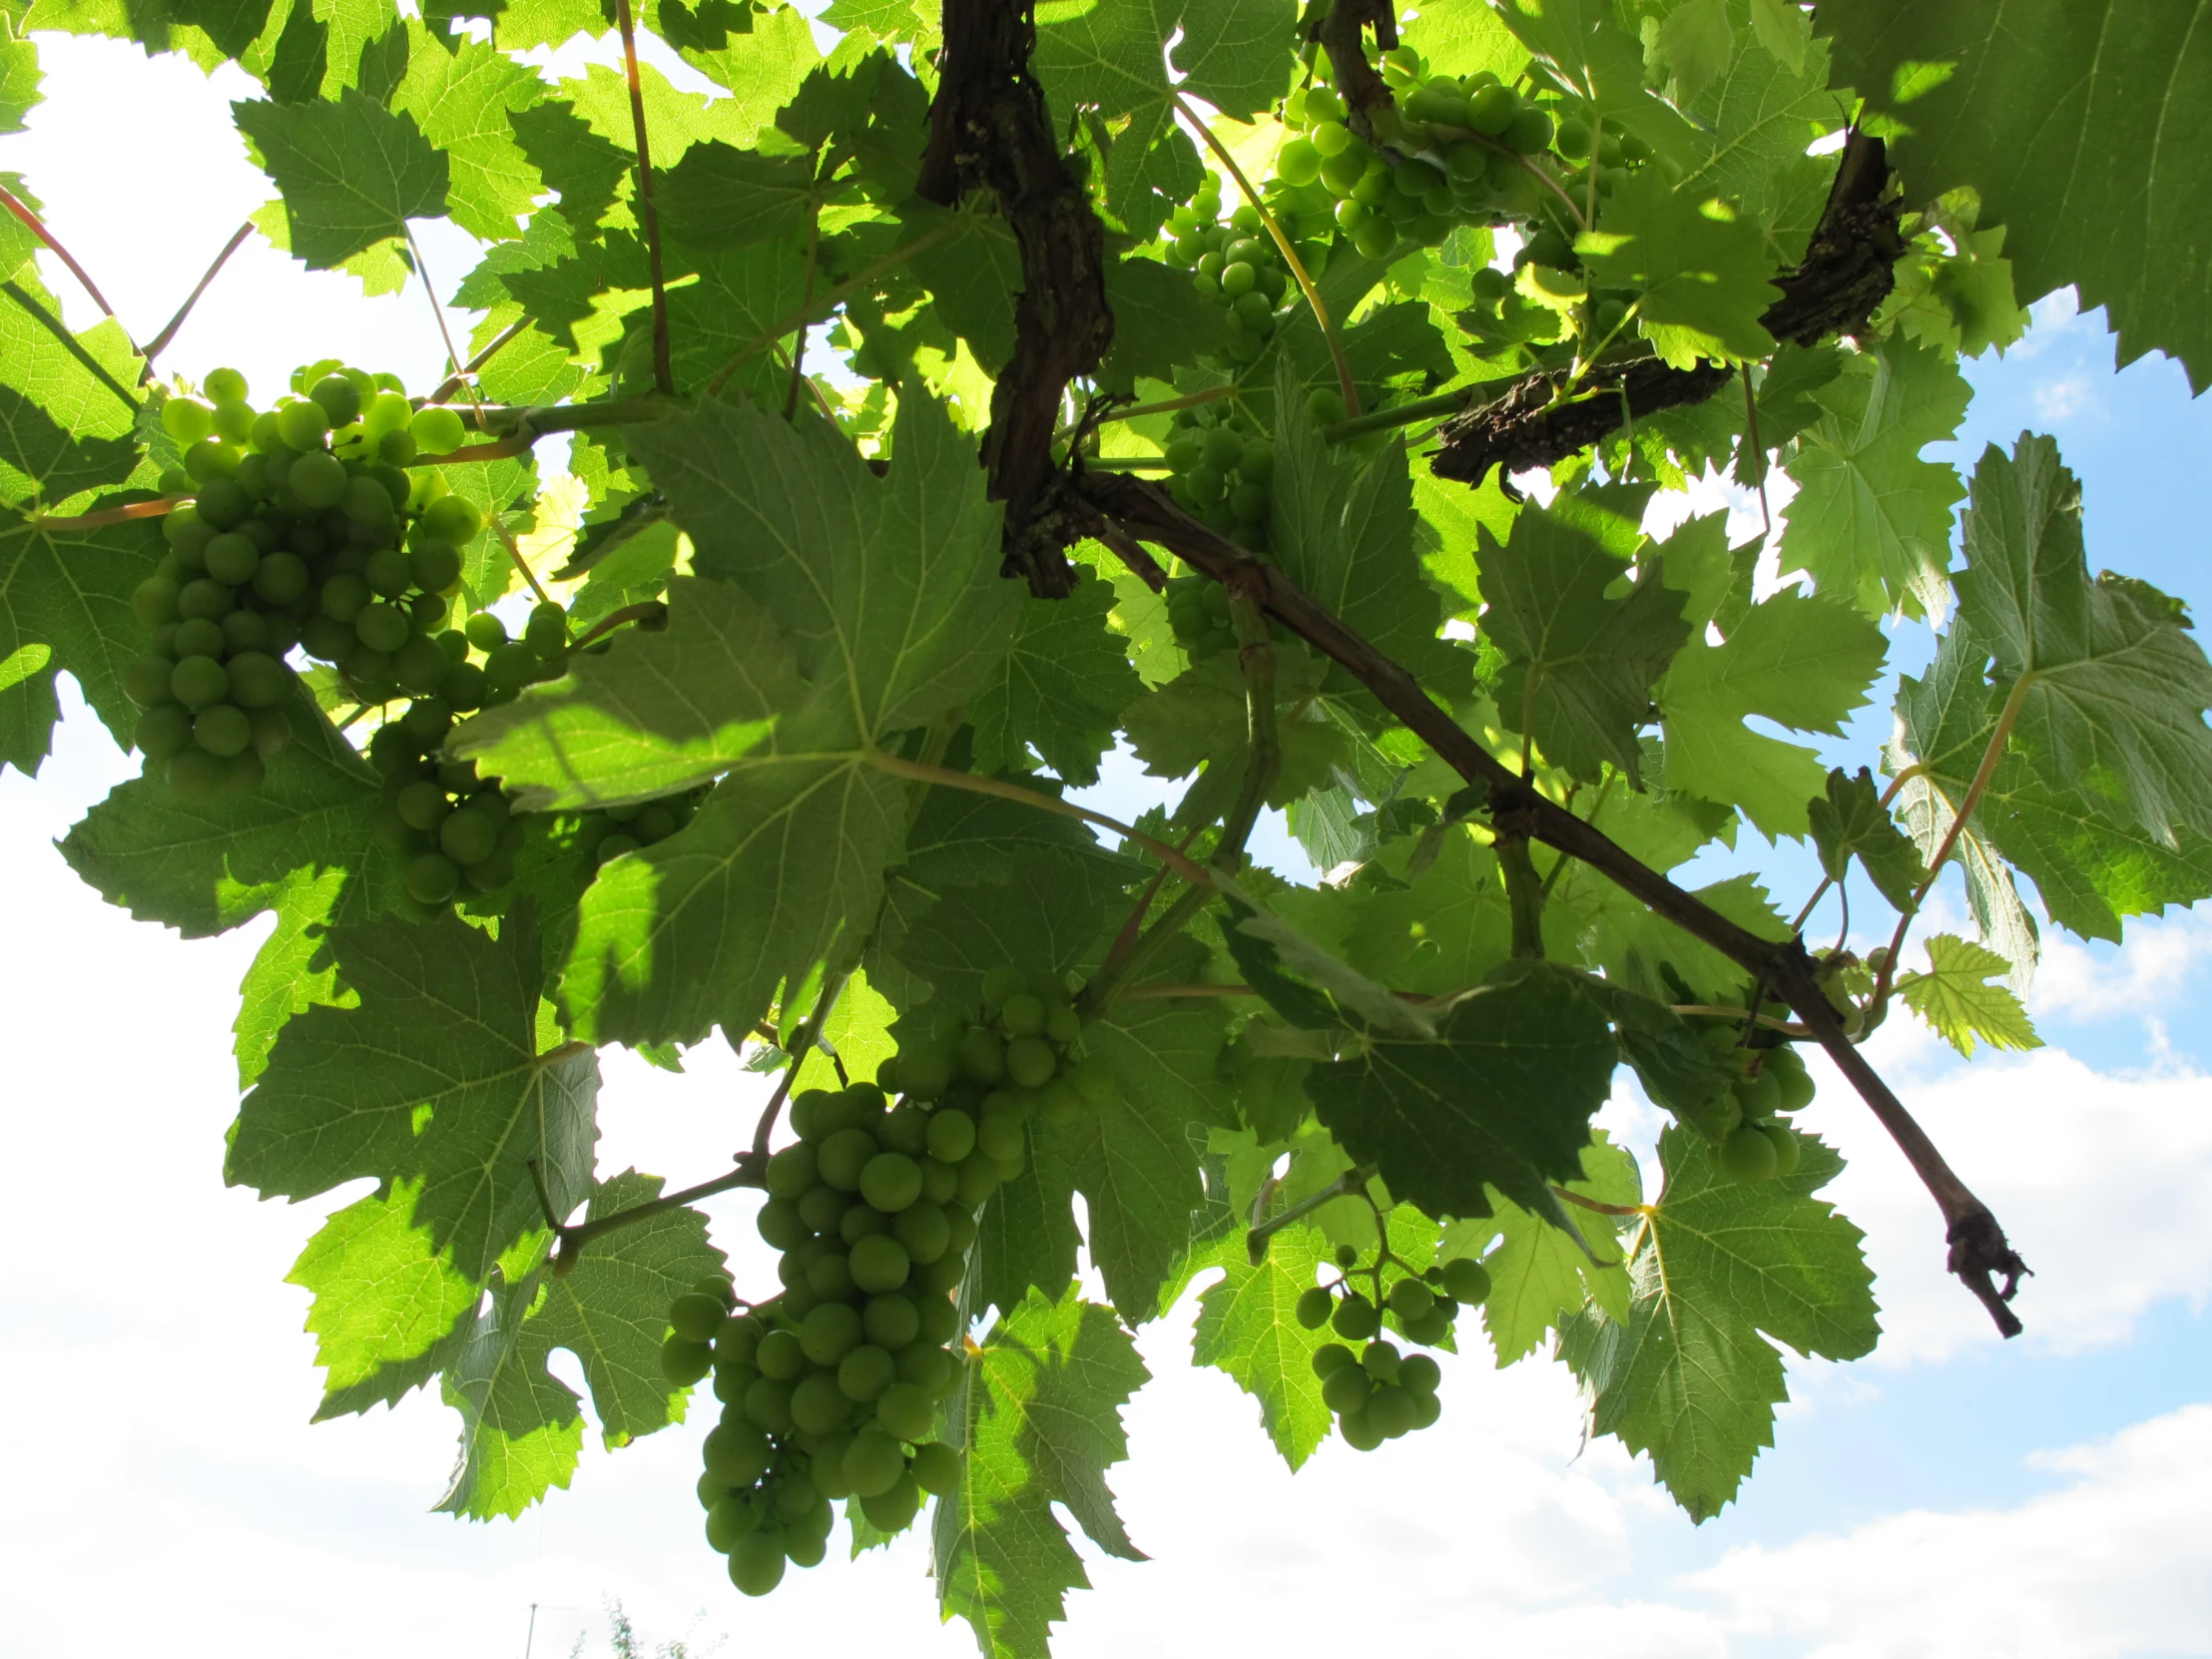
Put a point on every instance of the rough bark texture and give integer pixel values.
(989, 130)
(1844, 277)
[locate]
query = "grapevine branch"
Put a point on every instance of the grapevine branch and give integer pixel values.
(989, 130)
(162, 342)
(1979, 1253)
(1352, 1181)
(569, 1238)
(1844, 275)
(17, 206)
(461, 377)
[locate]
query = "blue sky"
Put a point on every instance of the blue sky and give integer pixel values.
(1951, 1496)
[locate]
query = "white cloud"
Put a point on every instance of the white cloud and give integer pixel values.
(2110, 1564)
(2101, 981)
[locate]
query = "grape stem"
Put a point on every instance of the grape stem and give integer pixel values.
(107, 515)
(976, 784)
(1622, 1210)
(15, 206)
(1979, 1253)
(1352, 1181)
(1991, 753)
(160, 342)
(458, 378)
(571, 1237)
(1290, 254)
(649, 215)
(1168, 405)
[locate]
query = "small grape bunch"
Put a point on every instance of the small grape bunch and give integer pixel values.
(1378, 1392)
(1198, 610)
(1013, 1062)
(1751, 1139)
(830, 1392)
(303, 534)
(610, 832)
(1237, 266)
(451, 829)
(1223, 470)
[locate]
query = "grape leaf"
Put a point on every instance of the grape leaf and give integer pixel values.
(391, 1311)
(352, 173)
(1954, 1000)
(520, 1426)
(1064, 683)
(723, 197)
(2106, 682)
(1580, 666)
(1762, 113)
(1447, 929)
(742, 295)
(1589, 50)
(465, 96)
(1871, 522)
(1691, 1376)
(974, 276)
(1234, 53)
(1502, 1095)
(1027, 1237)
(888, 593)
(2082, 127)
(438, 1077)
(1247, 1328)
(1160, 321)
(66, 421)
(1039, 1419)
(584, 168)
(1461, 37)
(2092, 865)
(1703, 271)
(1803, 661)
(1200, 718)
(761, 67)
(206, 867)
(1343, 532)
(19, 78)
(1538, 1272)
(294, 970)
(1851, 821)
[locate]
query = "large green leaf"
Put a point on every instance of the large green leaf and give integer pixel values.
(1803, 661)
(1541, 1272)
(1501, 1096)
(2085, 126)
(1062, 690)
(1871, 522)
(2108, 684)
(1701, 270)
(1040, 1418)
(440, 1078)
(1579, 664)
(1248, 1326)
(1721, 1267)
(1851, 821)
(352, 172)
(464, 97)
(1952, 997)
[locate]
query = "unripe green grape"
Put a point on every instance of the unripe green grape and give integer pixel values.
(829, 1275)
(860, 1221)
(1315, 1306)
(1795, 1083)
(196, 637)
(684, 1361)
(319, 480)
(728, 1522)
(738, 1341)
(1467, 1280)
(1346, 1389)
(1332, 1358)
(905, 1412)
(791, 1173)
(734, 1451)
(422, 804)
(302, 425)
(366, 503)
(338, 398)
(924, 1230)
(452, 517)
(873, 1463)
(1298, 162)
(195, 774)
(431, 878)
(153, 600)
(234, 421)
(1419, 1373)
(1031, 1062)
(1491, 109)
(163, 733)
(866, 1373)
(1392, 1411)
(928, 1368)
(437, 431)
(1355, 1319)
(981, 1057)
(936, 1469)
(1759, 1096)
(1358, 1432)
(940, 1320)
(830, 1333)
(894, 1510)
(999, 1136)
(843, 1157)
(146, 683)
(951, 1135)
(767, 1405)
(388, 572)
(880, 1264)
(818, 1406)
(1747, 1154)
(892, 1321)
(1380, 1360)
(1022, 1015)
(187, 419)
(1788, 1149)
(225, 385)
(381, 627)
(197, 682)
(757, 1563)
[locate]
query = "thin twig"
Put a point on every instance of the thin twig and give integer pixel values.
(160, 342)
(1352, 1182)
(458, 378)
(108, 515)
(15, 204)
(649, 215)
(976, 784)
(806, 301)
(498, 523)
(1290, 254)
(1168, 405)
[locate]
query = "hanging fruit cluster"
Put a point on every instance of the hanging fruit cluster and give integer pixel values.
(1222, 471)
(1751, 1138)
(1235, 265)
(1376, 1390)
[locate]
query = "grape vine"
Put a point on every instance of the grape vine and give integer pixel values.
(1280, 398)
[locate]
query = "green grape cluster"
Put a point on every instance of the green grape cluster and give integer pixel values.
(449, 828)
(1223, 470)
(1376, 1390)
(1014, 1061)
(610, 832)
(1198, 610)
(303, 532)
(830, 1392)
(1234, 264)
(1751, 1140)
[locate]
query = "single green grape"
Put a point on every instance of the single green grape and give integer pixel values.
(1747, 1154)
(1315, 1306)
